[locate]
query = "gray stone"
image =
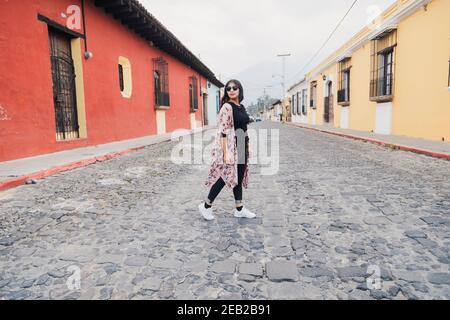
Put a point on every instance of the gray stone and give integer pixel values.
(136, 261)
(106, 293)
(427, 243)
(27, 284)
(7, 241)
(341, 250)
(394, 290)
(434, 220)
(56, 274)
(223, 267)
(439, 278)
(381, 220)
(151, 284)
(378, 294)
(42, 280)
(293, 291)
(314, 272)
(57, 215)
(109, 258)
(24, 252)
(111, 268)
(4, 283)
(247, 277)
(409, 276)
(352, 272)
(421, 287)
(414, 234)
(167, 263)
(80, 254)
(282, 270)
(253, 269)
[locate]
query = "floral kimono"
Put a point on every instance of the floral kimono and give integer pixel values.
(218, 168)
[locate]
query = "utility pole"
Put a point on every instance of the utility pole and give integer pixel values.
(283, 56)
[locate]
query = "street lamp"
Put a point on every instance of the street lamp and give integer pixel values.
(283, 56)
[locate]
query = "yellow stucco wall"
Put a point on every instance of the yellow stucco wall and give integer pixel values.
(421, 106)
(361, 109)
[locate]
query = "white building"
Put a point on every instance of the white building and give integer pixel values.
(299, 101)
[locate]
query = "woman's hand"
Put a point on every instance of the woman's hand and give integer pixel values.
(226, 159)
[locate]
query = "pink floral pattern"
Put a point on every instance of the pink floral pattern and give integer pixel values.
(218, 168)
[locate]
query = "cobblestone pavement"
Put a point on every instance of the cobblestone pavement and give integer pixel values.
(337, 209)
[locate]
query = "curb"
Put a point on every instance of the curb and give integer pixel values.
(429, 153)
(21, 180)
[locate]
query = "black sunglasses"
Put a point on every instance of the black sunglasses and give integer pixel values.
(234, 88)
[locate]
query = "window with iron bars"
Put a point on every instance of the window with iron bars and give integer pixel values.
(305, 102)
(161, 80)
(293, 104)
(193, 93)
(313, 95)
(383, 67)
(344, 82)
(297, 105)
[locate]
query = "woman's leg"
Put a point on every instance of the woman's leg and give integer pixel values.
(237, 191)
(214, 192)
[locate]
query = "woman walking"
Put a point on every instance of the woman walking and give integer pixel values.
(230, 153)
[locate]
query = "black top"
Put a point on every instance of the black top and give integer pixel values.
(240, 117)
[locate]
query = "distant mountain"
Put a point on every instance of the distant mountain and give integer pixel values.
(258, 77)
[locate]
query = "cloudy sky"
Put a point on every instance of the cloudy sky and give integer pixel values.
(241, 38)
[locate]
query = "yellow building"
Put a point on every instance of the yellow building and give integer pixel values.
(393, 77)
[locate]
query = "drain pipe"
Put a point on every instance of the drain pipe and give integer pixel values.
(87, 54)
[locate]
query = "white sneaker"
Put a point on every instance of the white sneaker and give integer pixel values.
(206, 213)
(244, 213)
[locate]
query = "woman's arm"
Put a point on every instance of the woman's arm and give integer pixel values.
(224, 127)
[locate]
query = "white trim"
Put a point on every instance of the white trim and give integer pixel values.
(383, 118)
(344, 117)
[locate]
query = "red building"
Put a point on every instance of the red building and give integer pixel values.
(79, 73)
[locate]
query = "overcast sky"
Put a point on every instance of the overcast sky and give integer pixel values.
(241, 38)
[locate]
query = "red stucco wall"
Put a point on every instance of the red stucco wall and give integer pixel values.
(27, 119)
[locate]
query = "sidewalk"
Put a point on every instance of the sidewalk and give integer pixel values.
(17, 172)
(431, 148)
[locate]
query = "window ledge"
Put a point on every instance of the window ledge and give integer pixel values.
(162, 107)
(344, 103)
(382, 98)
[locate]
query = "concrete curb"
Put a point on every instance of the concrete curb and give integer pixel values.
(21, 180)
(426, 152)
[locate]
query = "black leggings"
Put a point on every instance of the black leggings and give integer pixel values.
(237, 190)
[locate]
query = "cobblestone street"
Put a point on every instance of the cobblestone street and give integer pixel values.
(336, 209)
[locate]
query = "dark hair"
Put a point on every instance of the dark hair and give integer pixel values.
(226, 98)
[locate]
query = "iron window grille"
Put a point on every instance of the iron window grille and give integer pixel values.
(293, 104)
(297, 106)
(161, 83)
(121, 83)
(344, 82)
(304, 102)
(193, 93)
(383, 67)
